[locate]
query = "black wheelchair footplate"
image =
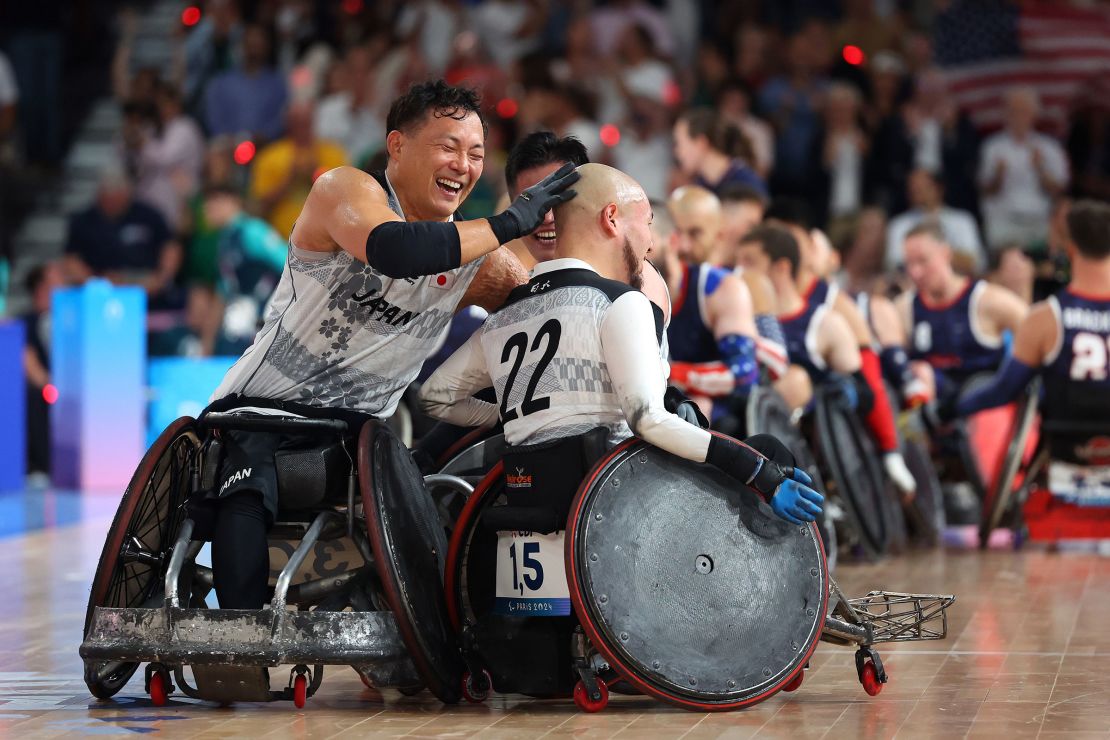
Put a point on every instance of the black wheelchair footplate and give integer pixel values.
(409, 549)
(688, 585)
(229, 649)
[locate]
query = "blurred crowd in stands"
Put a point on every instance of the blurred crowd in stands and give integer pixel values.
(840, 104)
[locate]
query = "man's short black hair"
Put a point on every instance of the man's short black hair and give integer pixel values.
(790, 210)
(1089, 228)
(738, 192)
(540, 148)
(438, 98)
(777, 243)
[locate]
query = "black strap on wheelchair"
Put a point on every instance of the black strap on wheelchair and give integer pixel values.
(273, 424)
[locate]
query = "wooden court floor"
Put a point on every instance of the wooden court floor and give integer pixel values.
(1026, 657)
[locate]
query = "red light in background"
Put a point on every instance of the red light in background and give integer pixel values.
(49, 393)
(853, 55)
(672, 94)
(244, 152)
(190, 16)
(610, 135)
(507, 107)
(352, 7)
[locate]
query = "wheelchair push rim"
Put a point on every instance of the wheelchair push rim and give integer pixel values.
(135, 555)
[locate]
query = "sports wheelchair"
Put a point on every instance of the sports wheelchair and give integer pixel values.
(1053, 482)
(369, 598)
(664, 578)
(866, 511)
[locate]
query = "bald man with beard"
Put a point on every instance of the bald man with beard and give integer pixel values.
(577, 348)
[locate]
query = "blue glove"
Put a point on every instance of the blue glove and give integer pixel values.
(795, 501)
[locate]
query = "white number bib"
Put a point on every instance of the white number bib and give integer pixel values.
(531, 579)
(1085, 485)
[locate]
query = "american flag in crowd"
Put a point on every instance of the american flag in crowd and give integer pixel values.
(988, 46)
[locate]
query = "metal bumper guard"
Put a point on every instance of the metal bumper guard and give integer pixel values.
(169, 634)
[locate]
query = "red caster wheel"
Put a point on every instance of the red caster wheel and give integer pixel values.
(583, 700)
(870, 679)
(476, 689)
(796, 682)
(159, 689)
(300, 691)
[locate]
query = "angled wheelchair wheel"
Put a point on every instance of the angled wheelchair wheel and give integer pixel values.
(925, 513)
(854, 474)
(767, 413)
(409, 549)
(1000, 497)
(137, 552)
(661, 558)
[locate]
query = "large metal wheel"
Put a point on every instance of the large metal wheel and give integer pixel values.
(687, 583)
(855, 475)
(136, 554)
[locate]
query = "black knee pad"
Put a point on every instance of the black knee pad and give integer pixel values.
(772, 448)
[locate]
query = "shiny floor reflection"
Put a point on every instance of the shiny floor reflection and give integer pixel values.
(1025, 657)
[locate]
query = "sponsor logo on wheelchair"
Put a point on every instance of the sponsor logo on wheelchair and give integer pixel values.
(1096, 451)
(236, 477)
(520, 479)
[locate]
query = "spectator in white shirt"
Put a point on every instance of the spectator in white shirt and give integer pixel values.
(926, 194)
(349, 116)
(1020, 172)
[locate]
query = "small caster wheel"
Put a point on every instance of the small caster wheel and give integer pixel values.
(795, 683)
(159, 688)
(870, 679)
(583, 700)
(476, 688)
(300, 691)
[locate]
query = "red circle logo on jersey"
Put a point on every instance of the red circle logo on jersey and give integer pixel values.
(441, 280)
(1096, 451)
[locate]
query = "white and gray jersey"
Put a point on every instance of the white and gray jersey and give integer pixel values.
(338, 333)
(569, 352)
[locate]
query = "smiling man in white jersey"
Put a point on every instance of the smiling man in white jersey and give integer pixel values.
(577, 350)
(376, 268)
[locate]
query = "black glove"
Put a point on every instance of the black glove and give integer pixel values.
(526, 213)
(939, 414)
(678, 404)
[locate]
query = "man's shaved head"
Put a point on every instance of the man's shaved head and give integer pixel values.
(607, 224)
(697, 217)
(599, 186)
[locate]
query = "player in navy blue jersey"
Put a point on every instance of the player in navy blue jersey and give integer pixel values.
(956, 325)
(1066, 338)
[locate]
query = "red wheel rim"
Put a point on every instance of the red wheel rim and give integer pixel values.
(583, 701)
(870, 679)
(300, 691)
(468, 692)
(795, 683)
(158, 691)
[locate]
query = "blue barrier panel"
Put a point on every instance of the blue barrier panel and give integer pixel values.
(13, 402)
(98, 363)
(181, 386)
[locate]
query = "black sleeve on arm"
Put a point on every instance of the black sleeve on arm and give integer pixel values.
(399, 249)
(745, 464)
